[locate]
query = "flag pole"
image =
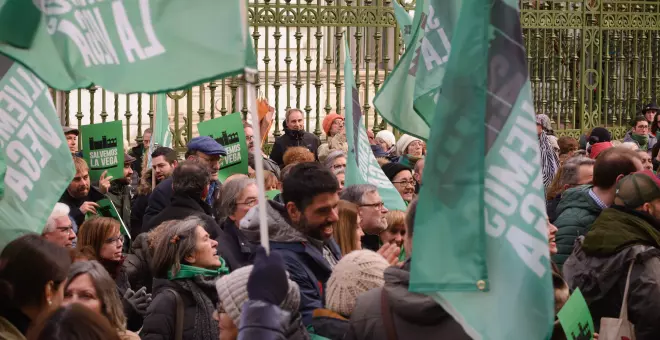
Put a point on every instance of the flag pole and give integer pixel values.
(154, 103)
(251, 79)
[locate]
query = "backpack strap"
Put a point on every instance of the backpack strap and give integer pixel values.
(386, 312)
(178, 325)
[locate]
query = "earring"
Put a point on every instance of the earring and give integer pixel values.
(50, 302)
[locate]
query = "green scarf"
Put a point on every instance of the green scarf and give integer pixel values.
(617, 228)
(186, 271)
(641, 140)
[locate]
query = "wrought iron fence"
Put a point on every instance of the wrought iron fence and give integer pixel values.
(592, 63)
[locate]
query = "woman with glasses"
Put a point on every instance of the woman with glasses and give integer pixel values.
(186, 264)
(238, 196)
(100, 239)
(90, 285)
(402, 178)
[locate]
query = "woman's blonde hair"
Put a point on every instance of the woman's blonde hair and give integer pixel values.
(395, 218)
(93, 234)
(344, 230)
(106, 291)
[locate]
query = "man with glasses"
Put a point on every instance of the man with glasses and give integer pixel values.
(203, 150)
(59, 228)
(640, 135)
(372, 212)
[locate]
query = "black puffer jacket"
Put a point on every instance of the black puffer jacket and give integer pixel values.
(161, 316)
(138, 264)
(293, 138)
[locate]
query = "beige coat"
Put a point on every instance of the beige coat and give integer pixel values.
(8, 331)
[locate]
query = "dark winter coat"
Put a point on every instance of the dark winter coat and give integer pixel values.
(329, 324)
(139, 208)
(184, 206)
(575, 214)
(137, 152)
(652, 141)
(138, 264)
(161, 316)
(416, 316)
(74, 203)
(304, 261)
(120, 195)
(599, 267)
(161, 197)
(293, 138)
(263, 321)
(239, 246)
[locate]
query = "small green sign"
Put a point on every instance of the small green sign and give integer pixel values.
(575, 318)
(228, 131)
(103, 149)
(107, 209)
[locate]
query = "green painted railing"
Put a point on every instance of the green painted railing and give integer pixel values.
(592, 63)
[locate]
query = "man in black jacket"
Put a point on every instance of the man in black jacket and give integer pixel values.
(204, 150)
(190, 184)
(81, 196)
(294, 135)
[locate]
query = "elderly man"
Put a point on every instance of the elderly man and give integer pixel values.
(59, 229)
(372, 212)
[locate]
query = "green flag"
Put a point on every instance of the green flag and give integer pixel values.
(131, 46)
(481, 226)
(404, 21)
(228, 131)
(361, 164)
(103, 149)
(161, 135)
(107, 209)
(34, 154)
(408, 97)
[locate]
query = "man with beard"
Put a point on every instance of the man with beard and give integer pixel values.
(622, 249)
(80, 196)
(120, 191)
(294, 135)
(163, 162)
(296, 231)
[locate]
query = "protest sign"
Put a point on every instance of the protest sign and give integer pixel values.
(228, 131)
(103, 149)
(575, 318)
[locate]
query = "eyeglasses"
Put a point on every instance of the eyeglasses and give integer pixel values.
(642, 127)
(249, 138)
(378, 205)
(339, 166)
(404, 183)
(250, 203)
(116, 239)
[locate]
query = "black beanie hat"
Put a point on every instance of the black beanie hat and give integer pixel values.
(599, 135)
(392, 169)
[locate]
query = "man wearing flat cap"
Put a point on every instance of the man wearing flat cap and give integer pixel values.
(622, 251)
(204, 150)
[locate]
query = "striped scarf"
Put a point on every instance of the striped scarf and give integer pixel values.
(549, 160)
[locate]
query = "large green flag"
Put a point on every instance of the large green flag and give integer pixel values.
(361, 164)
(481, 226)
(404, 21)
(131, 46)
(37, 162)
(408, 97)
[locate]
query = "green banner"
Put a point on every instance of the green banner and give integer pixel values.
(228, 131)
(103, 149)
(161, 135)
(107, 209)
(481, 214)
(130, 46)
(361, 164)
(409, 95)
(575, 317)
(404, 21)
(35, 158)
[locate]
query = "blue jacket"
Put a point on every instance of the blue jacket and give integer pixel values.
(304, 262)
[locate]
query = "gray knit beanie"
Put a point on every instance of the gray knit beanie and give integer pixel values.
(356, 273)
(232, 293)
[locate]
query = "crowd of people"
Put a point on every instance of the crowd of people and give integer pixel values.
(189, 265)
